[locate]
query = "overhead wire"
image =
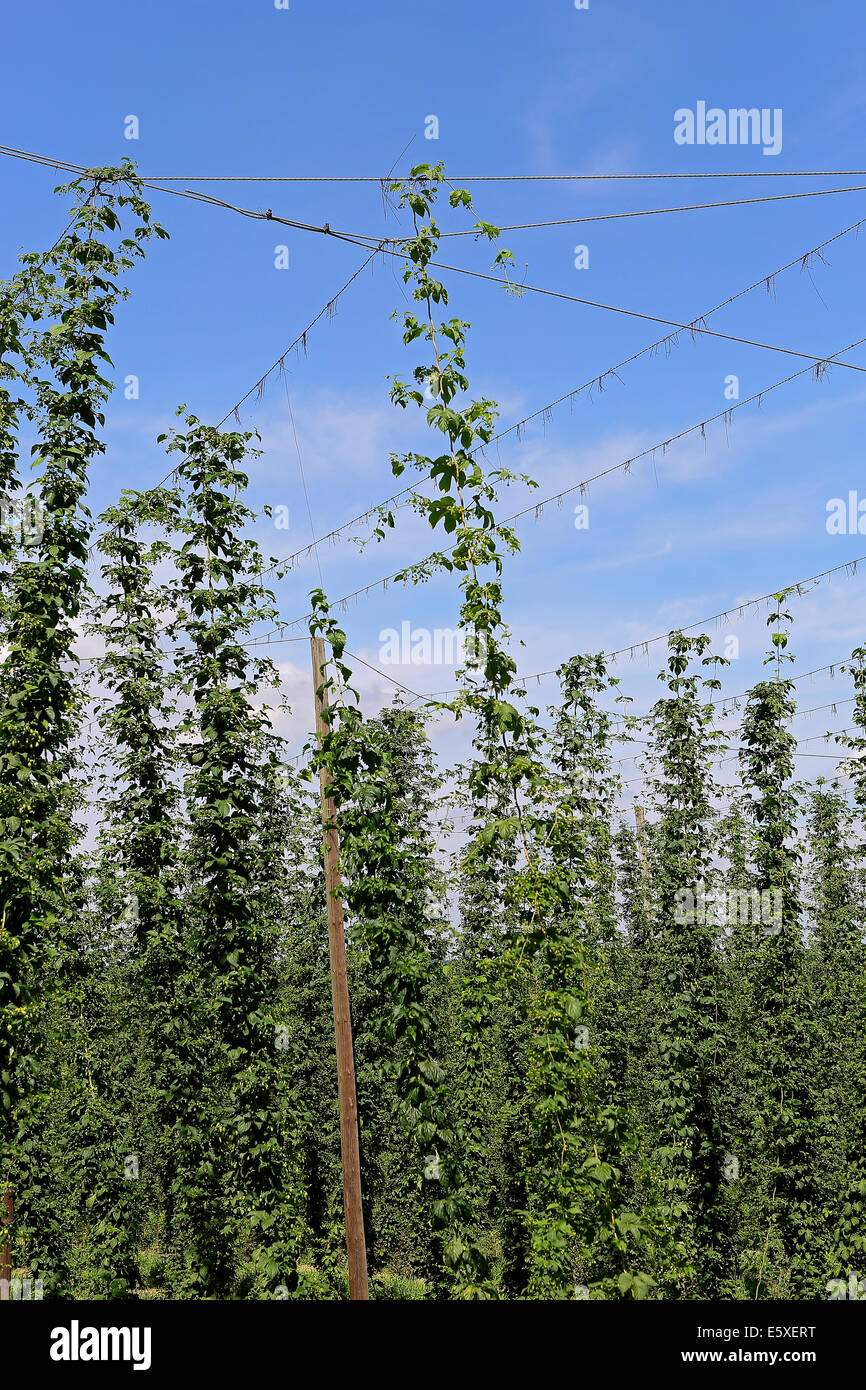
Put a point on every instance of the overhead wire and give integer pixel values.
(693, 327)
(671, 175)
(655, 212)
(299, 341)
(643, 645)
(696, 326)
(537, 507)
(382, 247)
(543, 412)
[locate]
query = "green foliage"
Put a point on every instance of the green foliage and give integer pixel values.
(594, 1061)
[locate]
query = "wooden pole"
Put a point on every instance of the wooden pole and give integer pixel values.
(355, 1242)
(640, 822)
(5, 1253)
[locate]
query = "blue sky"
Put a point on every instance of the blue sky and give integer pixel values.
(329, 87)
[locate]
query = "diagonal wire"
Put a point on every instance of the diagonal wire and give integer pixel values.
(598, 379)
(624, 464)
